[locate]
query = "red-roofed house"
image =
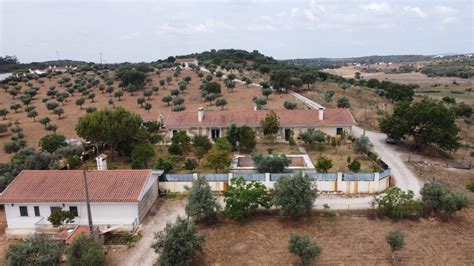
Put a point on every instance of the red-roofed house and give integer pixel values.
(118, 198)
(332, 121)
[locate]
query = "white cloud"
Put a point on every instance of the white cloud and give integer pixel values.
(380, 8)
(208, 26)
(416, 10)
(309, 15)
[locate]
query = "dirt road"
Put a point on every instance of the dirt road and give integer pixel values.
(142, 253)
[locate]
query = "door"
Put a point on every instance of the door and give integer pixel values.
(287, 134)
(215, 132)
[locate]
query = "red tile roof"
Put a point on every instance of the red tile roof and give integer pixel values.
(289, 118)
(68, 186)
(185, 60)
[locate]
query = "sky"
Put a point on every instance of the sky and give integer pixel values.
(147, 30)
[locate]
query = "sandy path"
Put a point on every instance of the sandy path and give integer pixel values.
(142, 253)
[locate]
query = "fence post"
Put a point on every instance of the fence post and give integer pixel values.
(339, 183)
(376, 182)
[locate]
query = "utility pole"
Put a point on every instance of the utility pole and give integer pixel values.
(88, 204)
(100, 53)
(57, 55)
(365, 115)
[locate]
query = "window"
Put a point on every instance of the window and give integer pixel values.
(53, 209)
(23, 211)
(339, 131)
(215, 133)
(73, 210)
(37, 211)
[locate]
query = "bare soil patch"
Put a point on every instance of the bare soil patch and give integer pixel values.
(349, 239)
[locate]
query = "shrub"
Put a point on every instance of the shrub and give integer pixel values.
(241, 197)
(398, 204)
(437, 197)
(202, 142)
(247, 138)
(354, 166)
(362, 145)
(85, 251)
(36, 250)
(60, 217)
(12, 147)
(396, 240)
(323, 164)
(311, 135)
(303, 248)
(166, 165)
(223, 144)
(200, 201)
(142, 154)
(190, 164)
(175, 149)
(294, 194)
(178, 243)
(270, 164)
(470, 187)
(289, 105)
(343, 102)
(217, 159)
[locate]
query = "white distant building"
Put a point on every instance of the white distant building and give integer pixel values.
(119, 198)
(52, 69)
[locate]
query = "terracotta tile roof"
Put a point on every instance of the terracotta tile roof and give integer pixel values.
(289, 118)
(68, 186)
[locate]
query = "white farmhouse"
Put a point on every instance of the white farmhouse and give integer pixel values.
(119, 198)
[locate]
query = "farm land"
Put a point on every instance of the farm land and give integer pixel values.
(241, 98)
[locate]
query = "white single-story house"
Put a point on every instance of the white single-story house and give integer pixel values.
(118, 198)
(52, 69)
(331, 121)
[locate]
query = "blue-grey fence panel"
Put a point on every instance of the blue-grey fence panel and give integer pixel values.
(178, 177)
(322, 176)
(252, 176)
(215, 177)
(385, 174)
(358, 177)
(275, 176)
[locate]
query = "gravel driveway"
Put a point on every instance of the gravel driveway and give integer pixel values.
(142, 253)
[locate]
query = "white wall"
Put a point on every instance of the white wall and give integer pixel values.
(102, 213)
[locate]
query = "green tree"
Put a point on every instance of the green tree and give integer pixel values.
(85, 250)
(221, 102)
(223, 144)
(302, 247)
(142, 154)
(270, 164)
(362, 145)
(426, 122)
(398, 204)
(217, 159)
(60, 217)
(309, 78)
(200, 201)
(35, 250)
(131, 77)
(241, 197)
(247, 138)
(437, 197)
(3, 113)
(147, 107)
(109, 126)
(354, 166)
(178, 243)
(182, 139)
(51, 143)
(233, 135)
(294, 194)
(323, 164)
(280, 79)
(167, 99)
(343, 102)
(289, 105)
(267, 92)
(396, 240)
(202, 142)
(270, 126)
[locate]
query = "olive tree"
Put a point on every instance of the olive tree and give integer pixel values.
(294, 195)
(302, 247)
(178, 243)
(200, 201)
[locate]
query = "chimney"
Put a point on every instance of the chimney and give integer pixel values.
(200, 114)
(321, 113)
(101, 162)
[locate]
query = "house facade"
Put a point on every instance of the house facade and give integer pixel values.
(331, 121)
(118, 198)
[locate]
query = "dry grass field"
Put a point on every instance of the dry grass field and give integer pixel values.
(348, 239)
(365, 103)
(239, 99)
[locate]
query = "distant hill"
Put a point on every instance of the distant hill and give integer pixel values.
(21, 67)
